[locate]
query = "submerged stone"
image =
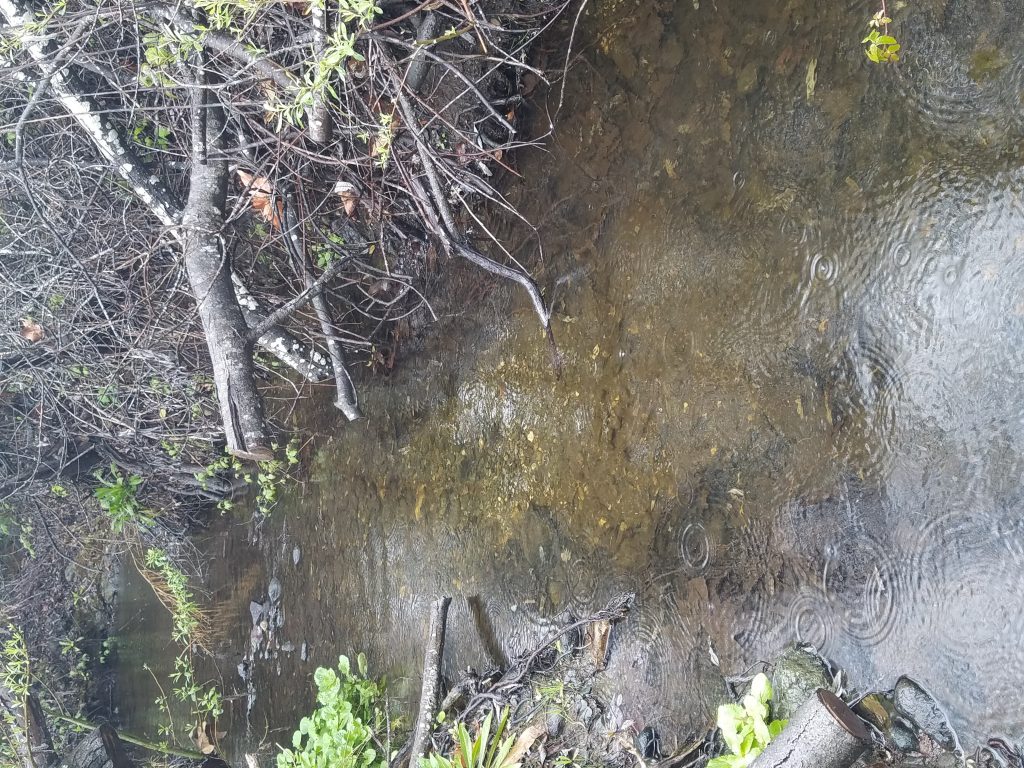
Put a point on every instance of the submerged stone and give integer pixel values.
(798, 673)
(918, 706)
(274, 590)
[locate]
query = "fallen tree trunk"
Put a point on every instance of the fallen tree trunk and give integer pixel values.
(210, 276)
(24, 727)
(823, 733)
(430, 692)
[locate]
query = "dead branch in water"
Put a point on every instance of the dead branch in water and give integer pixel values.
(431, 689)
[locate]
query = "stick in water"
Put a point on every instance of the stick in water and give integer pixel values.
(431, 680)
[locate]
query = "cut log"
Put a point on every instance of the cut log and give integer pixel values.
(209, 273)
(823, 733)
(431, 690)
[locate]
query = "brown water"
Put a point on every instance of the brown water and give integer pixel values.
(793, 326)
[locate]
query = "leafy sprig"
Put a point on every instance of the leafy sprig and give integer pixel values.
(881, 46)
(745, 727)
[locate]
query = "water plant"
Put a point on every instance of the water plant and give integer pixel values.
(345, 729)
(745, 727)
(171, 586)
(270, 477)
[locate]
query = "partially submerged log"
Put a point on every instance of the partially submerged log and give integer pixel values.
(823, 733)
(430, 693)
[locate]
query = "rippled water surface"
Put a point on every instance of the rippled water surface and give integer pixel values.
(791, 306)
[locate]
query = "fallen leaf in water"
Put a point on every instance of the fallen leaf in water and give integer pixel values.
(421, 495)
(349, 196)
(812, 77)
(31, 331)
(261, 197)
(600, 632)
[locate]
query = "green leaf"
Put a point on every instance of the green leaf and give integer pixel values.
(761, 732)
(775, 727)
(761, 688)
(465, 745)
(885, 40)
(748, 742)
(754, 708)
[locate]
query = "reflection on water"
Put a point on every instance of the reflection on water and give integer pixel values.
(793, 330)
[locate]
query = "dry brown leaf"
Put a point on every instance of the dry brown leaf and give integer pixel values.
(261, 196)
(600, 632)
(523, 744)
(349, 196)
(201, 738)
(31, 331)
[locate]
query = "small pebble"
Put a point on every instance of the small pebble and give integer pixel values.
(274, 590)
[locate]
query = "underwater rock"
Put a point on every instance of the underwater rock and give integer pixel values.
(748, 78)
(798, 673)
(274, 590)
(879, 711)
(918, 706)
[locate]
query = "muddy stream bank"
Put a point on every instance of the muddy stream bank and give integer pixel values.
(791, 305)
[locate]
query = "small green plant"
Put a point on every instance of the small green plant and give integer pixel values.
(340, 48)
(108, 649)
(170, 584)
(163, 51)
(77, 658)
(11, 527)
(382, 142)
(15, 679)
(205, 701)
(485, 750)
(15, 667)
(345, 726)
(107, 395)
(881, 46)
(325, 254)
(151, 135)
(270, 475)
(117, 496)
(175, 594)
(745, 727)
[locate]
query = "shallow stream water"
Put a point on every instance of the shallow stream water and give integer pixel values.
(790, 301)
